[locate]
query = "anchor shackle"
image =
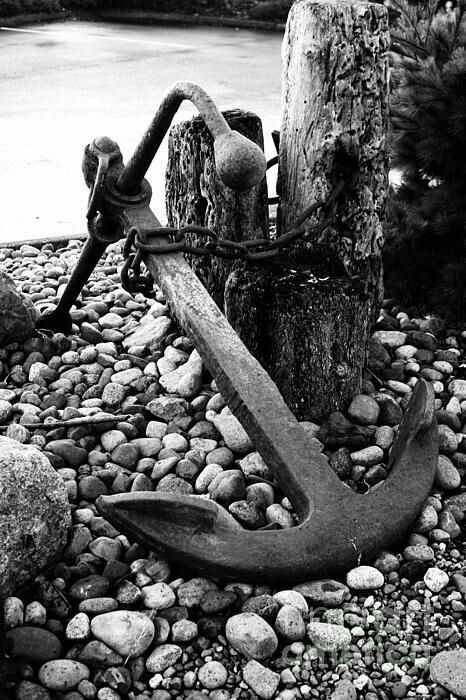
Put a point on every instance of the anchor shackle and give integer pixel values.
(240, 163)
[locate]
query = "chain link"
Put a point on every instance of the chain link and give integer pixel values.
(256, 250)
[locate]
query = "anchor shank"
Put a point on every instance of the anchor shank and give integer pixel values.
(299, 467)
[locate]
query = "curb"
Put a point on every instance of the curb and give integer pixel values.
(57, 242)
(34, 18)
(143, 17)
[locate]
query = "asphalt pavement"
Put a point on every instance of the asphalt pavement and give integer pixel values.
(63, 84)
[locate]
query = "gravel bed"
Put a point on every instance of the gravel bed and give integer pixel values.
(112, 620)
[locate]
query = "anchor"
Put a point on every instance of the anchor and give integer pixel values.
(338, 528)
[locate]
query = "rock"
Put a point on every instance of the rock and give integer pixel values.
(184, 631)
(212, 675)
(78, 628)
(18, 314)
(26, 690)
(158, 596)
(328, 637)
(426, 520)
(251, 635)
(340, 462)
(364, 578)
(368, 456)
(216, 601)
(185, 380)
(289, 624)
(232, 432)
(62, 674)
(98, 654)
(448, 668)
(254, 465)
(34, 514)
(392, 339)
(168, 408)
(457, 388)
(262, 680)
(162, 657)
(227, 487)
(193, 591)
(344, 690)
(127, 632)
(363, 410)
(276, 513)
(419, 552)
(447, 440)
(386, 562)
(325, 592)
(33, 644)
(263, 605)
(447, 477)
(436, 579)
(149, 333)
(426, 341)
(294, 598)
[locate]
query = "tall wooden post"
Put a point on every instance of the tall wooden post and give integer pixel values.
(307, 318)
(196, 195)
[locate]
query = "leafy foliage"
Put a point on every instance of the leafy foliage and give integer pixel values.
(424, 257)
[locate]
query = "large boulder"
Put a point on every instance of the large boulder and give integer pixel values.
(34, 514)
(18, 314)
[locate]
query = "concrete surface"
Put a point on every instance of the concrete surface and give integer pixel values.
(64, 84)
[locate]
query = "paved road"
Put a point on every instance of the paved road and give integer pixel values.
(64, 84)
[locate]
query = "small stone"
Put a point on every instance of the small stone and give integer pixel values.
(294, 598)
(212, 675)
(232, 432)
(363, 410)
(276, 513)
(26, 690)
(254, 465)
(263, 605)
(93, 586)
(78, 628)
(158, 596)
(448, 668)
(127, 632)
(184, 631)
(368, 456)
(386, 562)
(289, 624)
(426, 520)
(344, 690)
(436, 579)
(193, 591)
(62, 674)
(216, 601)
(33, 644)
(419, 552)
(149, 333)
(447, 440)
(13, 612)
(447, 476)
(364, 578)
(328, 637)
(162, 657)
(97, 654)
(227, 487)
(457, 388)
(106, 548)
(392, 339)
(324, 592)
(262, 680)
(251, 635)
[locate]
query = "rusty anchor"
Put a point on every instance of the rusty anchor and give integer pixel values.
(338, 528)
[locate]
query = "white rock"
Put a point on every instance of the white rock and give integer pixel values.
(158, 596)
(127, 632)
(251, 635)
(436, 579)
(262, 680)
(62, 674)
(327, 636)
(364, 578)
(162, 657)
(212, 675)
(232, 432)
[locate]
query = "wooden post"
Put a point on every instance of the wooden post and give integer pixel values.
(307, 318)
(196, 195)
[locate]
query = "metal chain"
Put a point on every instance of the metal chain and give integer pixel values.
(256, 250)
